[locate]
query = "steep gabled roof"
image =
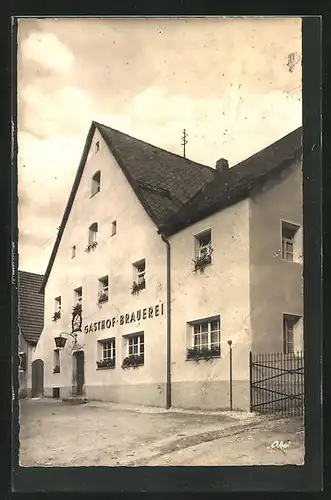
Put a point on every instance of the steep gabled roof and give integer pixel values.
(162, 181)
(30, 306)
(235, 184)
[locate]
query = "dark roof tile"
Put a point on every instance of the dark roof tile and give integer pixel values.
(30, 306)
(162, 181)
(235, 184)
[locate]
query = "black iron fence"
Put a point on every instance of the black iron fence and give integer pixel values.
(277, 383)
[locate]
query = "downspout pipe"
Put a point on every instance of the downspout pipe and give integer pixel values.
(168, 339)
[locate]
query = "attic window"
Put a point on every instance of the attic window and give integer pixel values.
(95, 186)
(97, 146)
(73, 251)
(113, 228)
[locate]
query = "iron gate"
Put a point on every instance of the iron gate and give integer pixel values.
(277, 383)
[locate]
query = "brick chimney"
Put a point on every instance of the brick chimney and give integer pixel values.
(222, 165)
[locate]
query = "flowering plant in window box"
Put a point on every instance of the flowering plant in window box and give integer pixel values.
(205, 353)
(56, 369)
(134, 360)
(202, 261)
(137, 286)
(106, 363)
(77, 309)
(102, 297)
(91, 246)
(56, 316)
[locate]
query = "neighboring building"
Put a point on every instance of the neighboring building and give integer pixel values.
(167, 258)
(31, 322)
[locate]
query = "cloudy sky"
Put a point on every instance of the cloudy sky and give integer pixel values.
(227, 81)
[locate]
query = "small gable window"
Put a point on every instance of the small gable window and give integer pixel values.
(95, 186)
(113, 228)
(97, 146)
(73, 251)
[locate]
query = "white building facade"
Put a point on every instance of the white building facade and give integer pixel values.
(162, 274)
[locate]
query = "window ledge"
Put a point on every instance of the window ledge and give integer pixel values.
(93, 195)
(132, 367)
(201, 270)
(106, 367)
(203, 359)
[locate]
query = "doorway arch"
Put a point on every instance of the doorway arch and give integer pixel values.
(37, 389)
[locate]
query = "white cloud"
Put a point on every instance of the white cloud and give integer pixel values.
(49, 114)
(47, 50)
(234, 126)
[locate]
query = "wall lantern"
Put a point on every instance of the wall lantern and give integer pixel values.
(60, 341)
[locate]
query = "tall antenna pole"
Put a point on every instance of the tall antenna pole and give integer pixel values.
(184, 139)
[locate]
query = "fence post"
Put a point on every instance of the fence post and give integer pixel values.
(250, 382)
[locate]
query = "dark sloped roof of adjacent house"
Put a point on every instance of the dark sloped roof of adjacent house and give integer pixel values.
(30, 305)
(162, 181)
(236, 183)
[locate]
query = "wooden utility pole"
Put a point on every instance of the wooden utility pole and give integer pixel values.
(184, 139)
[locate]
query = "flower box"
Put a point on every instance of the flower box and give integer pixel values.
(136, 287)
(56, 316)
(133, 361)
(203, 353)
(106, 363)
(201, 262)
(77, 309)
(102, 297)
(91, 246)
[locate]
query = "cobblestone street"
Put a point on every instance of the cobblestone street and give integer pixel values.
(54, 434)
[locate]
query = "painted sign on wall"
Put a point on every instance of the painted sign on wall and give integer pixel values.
(132, 317)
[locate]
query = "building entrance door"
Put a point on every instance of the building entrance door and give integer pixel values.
(37, 389)
(80, 379)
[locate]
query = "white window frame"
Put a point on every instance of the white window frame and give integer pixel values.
(20, 361)
(111, 342)
(287, 241)
(198, 323)
(140, 340)
(58, 304)
(93, 233)
(104, 286)
(96, 183)
(201, 249)
(78, 295)
(140, 274)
